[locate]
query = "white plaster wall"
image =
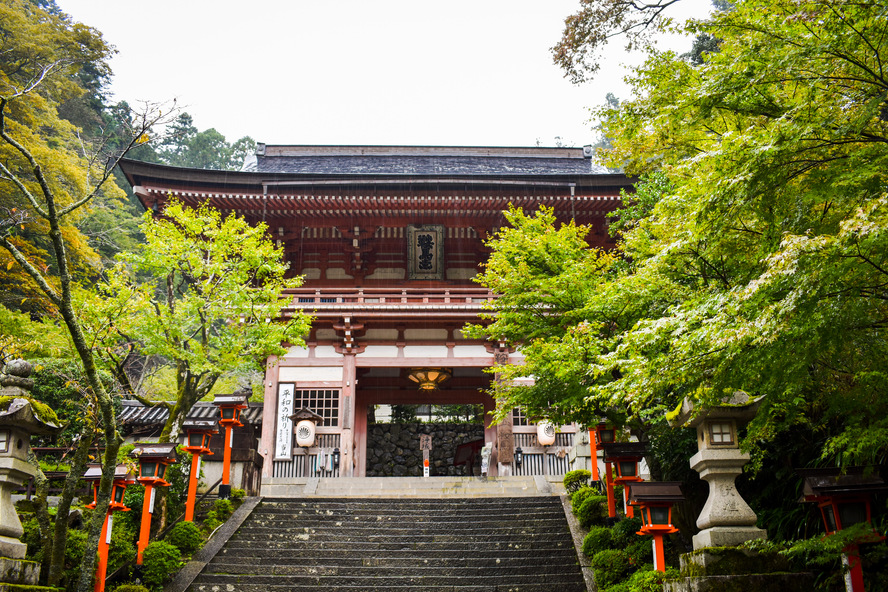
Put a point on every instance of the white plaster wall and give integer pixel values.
(310, 374)
(297, 352)
(326, 351)
(425, 351)
(380, 351)
(469, 351)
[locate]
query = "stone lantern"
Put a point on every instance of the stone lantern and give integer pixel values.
(726, 519)
(20, 418)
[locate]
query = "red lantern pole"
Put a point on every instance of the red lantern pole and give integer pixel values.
(145, 530)
(659, 552)
(611, 502)
(102, 567)
(854, 577)
(593, 449)
(226, 458)
(192, 487)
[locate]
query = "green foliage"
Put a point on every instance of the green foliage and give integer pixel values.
(624, 532)
(650, 580)
(159, 561)
(467, 413)
(238, 494)
(185, 146)
(753, 256)
(610, 567)
(598, 539)
(186, 537)
(593, 511)
(131, 588)
(536, 267)
(579, 496)
(203, 271)
(404, 413)
(123, 547)
(210, 524)
(575, 480)
(222, 509)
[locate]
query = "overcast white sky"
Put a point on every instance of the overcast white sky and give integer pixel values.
(411, 72)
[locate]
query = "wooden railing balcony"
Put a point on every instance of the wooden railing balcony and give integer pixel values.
(319, 298)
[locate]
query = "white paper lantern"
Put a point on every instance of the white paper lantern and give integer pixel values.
(305, 433)
(545, 433)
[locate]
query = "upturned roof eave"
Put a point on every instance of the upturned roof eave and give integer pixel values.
(138, 172)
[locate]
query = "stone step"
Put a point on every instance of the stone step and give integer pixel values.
(473, 587)
(404, 545)
(405, 487)
(398, 558)
(454, 548)
(257, 583)
(427, 570)
(415, 541)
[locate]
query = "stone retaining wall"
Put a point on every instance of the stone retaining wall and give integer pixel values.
(393, 448)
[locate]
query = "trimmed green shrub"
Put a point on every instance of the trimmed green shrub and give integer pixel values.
(223, 509)
(238, 494)
(593, 511)
(574, 480)
(209, 525)
(610, 567)
(579, 496)
(159, 561)
(186, 537)
(649, 580)
(626, 532)
(130, 588)
(598, 539)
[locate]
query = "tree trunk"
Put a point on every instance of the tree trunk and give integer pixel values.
(60, 534)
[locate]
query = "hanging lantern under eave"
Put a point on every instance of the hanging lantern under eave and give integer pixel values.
(305, 421)
(429, 379)
(545, 433)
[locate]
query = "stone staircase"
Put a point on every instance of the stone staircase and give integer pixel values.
(492, 544)
(432, 487)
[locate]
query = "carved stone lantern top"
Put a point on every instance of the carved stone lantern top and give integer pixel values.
(17, 410)
(739, 407)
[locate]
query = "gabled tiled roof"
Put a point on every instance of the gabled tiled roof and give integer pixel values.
(135, 414)
(422, 160)
(425, 165)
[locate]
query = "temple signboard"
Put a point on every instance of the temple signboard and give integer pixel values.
(425, 252)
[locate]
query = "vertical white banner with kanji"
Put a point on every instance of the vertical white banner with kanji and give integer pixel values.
(283, 444)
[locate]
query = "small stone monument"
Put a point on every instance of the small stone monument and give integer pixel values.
(726, 519)
(20, 417)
